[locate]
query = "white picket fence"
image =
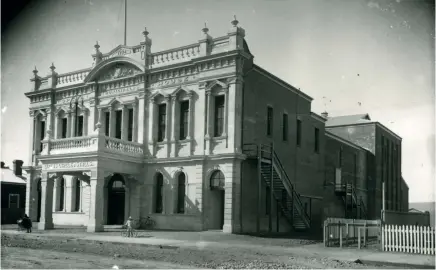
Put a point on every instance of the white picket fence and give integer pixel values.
(407, 238)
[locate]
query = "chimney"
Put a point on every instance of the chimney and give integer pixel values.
(325, 114)
(3, 164)
(18, 171)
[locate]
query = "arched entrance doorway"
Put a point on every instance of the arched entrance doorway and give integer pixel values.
(217, 200)
(116, 200)
(38, 190)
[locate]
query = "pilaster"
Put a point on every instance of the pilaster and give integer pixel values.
(46, 220)
(232, 204)
(209, 128)
(174, 139)
(124, 123)
(168, 120)
(69, 193)
(200, 119)
(234, 115)
(152, 128)
(95, 223)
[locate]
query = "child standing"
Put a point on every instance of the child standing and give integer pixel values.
(129, 224)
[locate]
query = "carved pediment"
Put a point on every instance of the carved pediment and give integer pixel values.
(118, 71)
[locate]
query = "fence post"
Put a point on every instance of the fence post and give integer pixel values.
(407, 239)
(358, 238)
(382, 229)
(425, 240)
(340, 235)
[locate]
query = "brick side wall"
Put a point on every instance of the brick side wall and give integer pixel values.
(303, 165)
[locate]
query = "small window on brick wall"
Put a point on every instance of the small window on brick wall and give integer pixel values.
(269, 121)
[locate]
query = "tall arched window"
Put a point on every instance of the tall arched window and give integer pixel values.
(61, 194)
(181, 191)
(217, 180)
(77, 195)
(159, 193)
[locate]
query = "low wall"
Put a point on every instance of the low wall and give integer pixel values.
(70, 218)
(407, 218)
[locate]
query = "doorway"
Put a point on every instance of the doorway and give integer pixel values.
(217, 209)
(116, 200)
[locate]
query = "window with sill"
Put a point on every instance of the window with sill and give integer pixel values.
(64, 123)
(299, 132)
(118, 123)
(162, 115)
(159, 194)
(269, 121)
(184, 120)
(316, 140)
(181, 193)
(41, 133)
(285, 127)
(107, 122)
(219, 115)
(14, 201)
(130, 125)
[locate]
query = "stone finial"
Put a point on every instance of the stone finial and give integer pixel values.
(205, 29)
(325, 114)
(145, 32)
(52, 67)
(96, 46)
(235, 21)
(35, 72)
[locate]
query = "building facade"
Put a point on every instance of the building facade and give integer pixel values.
(196, 137)
(13, 192)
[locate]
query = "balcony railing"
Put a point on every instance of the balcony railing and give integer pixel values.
(92, 143)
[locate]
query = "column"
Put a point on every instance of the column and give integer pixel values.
(46, 220)
(209, 129)
(30, 187)
(36, 137)
(56, 194)
(191, 115)
(49, 123)
(91, 118)
(232, 204)
(57, 127)
(69, 134)
(168, 118)
(140, 116)
(73, 123)
(95, 223)
(85, 122)
(174, 139)
(69, 193)
(135, 123)
(111, 122)
(226, 112)
(31, 136)
(124, 123)
(151, 127)
(199, 120)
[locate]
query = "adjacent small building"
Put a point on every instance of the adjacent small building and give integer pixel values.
(13, 192)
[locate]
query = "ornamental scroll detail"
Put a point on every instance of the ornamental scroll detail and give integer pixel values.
(118, 71)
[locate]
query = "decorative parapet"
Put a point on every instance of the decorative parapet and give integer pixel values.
(97, 142)
(72, 77)
(174, 56)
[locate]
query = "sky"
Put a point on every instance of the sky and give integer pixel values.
(352, 57)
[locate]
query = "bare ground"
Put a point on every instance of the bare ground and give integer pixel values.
(24, 251)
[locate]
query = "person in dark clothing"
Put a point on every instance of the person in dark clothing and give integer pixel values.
(27, 223)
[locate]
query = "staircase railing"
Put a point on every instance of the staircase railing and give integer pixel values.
(268, 153)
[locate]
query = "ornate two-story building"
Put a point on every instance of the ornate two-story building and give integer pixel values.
(197, 137)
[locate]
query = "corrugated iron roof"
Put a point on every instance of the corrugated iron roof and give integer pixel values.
(8, 176)
(347, 120)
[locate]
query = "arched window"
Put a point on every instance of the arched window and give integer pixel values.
(181, 191)
(217, 180)
(77, 198)
(61, 194)
(159, 193)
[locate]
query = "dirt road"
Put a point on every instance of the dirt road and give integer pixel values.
(104, 255)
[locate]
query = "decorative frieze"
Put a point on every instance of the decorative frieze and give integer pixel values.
(174, 81)
(69, 165)
(108, 92)
(119, 71)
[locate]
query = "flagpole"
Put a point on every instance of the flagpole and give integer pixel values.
(125, 22)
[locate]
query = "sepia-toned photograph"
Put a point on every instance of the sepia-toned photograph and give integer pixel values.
(218, 134)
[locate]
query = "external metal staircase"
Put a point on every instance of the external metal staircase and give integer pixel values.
(276, 178)
(354, 205)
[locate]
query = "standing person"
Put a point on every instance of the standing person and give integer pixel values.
(129, 225)
(27, 223)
